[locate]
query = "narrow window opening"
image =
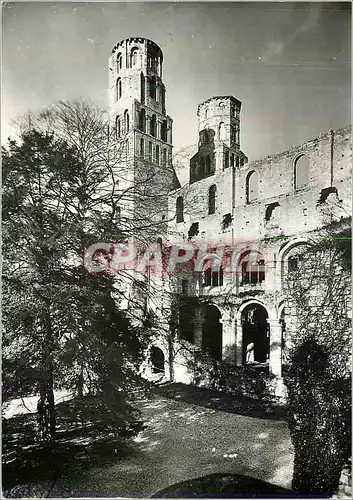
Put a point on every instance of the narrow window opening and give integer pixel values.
(227, 221)
(180, 209)
(269, 210)
(212, 200)
(194, 230)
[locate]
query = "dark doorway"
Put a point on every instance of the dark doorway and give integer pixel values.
(256, 331)
(157, 360)
(212, 332)
(186, 326)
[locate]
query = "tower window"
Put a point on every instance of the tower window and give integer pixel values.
(126, 121)
(142, 148)
(226, 159)
(180, 209)
(232, 160)
(118, 89)
(301, 171)
(142, 120)
(251, 187)
(143, 88)
(164, 131)
(150, 150)
(153, 126)
(164, 156)
(206, 114)
(212, 199)
(202, 167)
(208, 164)
(157, 154)
(162, 96)
(222, 132)
(152, 87)
(134, 55)
(119, 61)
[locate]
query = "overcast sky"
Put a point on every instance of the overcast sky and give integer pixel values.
(289, 63)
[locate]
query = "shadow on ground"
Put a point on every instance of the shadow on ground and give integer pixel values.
(77, 448)
(226, 486)
(221, 401)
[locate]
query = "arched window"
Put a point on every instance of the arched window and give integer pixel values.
(202, 167)
(143, 88)
(206, 114)
(208, 164)
(217, 277)
(126, 121)
(154, 64)
(142, 120)
(119, 61)
(142, 148)
(252, 187)
(150, 151)
(222, 132)
(153, 126)
(118, 89)
(301, 171)
(157, 154)
(164, 131)
(152, 87)
(164, 156)
(212, 199)
(133, 57)
(180, 209)
(226, 159)
(117, 127)
(252, 267)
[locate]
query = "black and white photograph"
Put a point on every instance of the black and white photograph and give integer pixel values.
(176, 249)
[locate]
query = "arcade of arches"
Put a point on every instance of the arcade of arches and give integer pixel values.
(252, 334)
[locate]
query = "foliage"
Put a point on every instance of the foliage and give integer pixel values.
(62, 326)
(236, 380)
(320, 423)
(319, 361)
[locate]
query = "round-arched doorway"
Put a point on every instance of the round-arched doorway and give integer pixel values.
(212, 332)
(256, 334)
(157, 360)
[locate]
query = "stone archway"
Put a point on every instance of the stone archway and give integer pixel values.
(157, 360)
(256, 331)
(212, 332)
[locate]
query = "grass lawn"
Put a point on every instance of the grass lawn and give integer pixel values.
(189, 433)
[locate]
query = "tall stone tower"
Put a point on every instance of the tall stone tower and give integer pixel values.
(219, 137)
(141, 131)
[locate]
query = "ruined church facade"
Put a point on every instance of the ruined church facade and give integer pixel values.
(259, 214)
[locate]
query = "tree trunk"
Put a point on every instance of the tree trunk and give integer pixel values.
(46, 403)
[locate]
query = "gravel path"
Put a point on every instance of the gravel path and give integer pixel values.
(183, 441)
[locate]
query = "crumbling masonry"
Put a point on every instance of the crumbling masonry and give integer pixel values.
(268, 209)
